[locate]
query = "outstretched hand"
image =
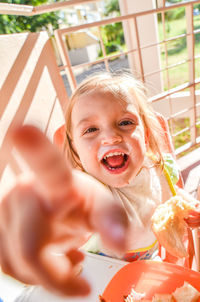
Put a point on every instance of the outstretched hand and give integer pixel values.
(46, 218)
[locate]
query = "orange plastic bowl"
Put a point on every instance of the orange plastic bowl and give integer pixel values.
(149, 277)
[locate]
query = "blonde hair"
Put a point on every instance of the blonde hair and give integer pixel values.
(123, 87)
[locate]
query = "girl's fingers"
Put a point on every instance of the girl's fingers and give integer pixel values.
(26, 245)
(15, 254)
(60, 272)
(52, 170)
(102, 213)
(76, 286)
(4, 258)
(112, 224)
(75, 256)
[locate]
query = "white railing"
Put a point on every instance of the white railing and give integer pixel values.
(185, 93)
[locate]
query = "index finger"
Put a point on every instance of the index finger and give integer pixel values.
(45, 160)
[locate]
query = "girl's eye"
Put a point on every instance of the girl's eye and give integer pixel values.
(91, 129)
(126, 122)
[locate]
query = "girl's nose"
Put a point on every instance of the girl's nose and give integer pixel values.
(111, 140)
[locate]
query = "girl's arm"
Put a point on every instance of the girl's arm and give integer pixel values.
(45, 218)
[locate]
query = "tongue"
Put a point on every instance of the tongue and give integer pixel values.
(115, 161)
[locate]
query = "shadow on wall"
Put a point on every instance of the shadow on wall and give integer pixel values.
(32, 91)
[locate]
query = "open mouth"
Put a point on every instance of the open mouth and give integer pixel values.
(115, 162)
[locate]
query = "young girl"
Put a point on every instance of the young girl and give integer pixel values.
(109, 185)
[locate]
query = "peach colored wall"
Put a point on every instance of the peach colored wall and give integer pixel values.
(31, 91)
(148, 34)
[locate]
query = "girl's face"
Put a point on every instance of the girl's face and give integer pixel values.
(109, 138)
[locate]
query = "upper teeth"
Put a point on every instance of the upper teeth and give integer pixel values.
(113, 154)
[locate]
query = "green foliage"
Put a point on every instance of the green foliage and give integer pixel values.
(113, 32)
(183, 138)
(197, 6)
(113, 36)
(174, 1)
(110, 48)
(173, 14)
(178, 13)
(112, 6)
(15, 24)
(26, 2)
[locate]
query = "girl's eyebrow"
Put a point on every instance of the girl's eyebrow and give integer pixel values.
(93, 118)
(86, 119)
(132, 110)
(131, 114)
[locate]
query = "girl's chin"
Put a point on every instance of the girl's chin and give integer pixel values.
(117, 183)
(120, 181)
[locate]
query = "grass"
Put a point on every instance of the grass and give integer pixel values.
(184, 137)
(177, 51)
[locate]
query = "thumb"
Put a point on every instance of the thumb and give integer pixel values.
(111, 222)
(104, 213)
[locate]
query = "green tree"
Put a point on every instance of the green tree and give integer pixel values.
(112, 6)
(15, 24)
(113, 35)
(174, 1)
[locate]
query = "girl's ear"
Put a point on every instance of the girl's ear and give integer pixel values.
(59, 137)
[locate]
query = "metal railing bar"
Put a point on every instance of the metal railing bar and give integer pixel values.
(164, 41)
(196, 31)
(189, 128)
(60, 5)
(139, 49)
(169, 92)
(122, 18)
(16, 9)
(172, 91)
(103, 49)
(184, 148)
(191, 65)
(134, 50)
(125, 53)
(62, 46)
(29, 10)
(98, 61)
(197, 80)
(166, 68)
(175, 115)
(181, 131)
(166, 64)
(109, 57)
